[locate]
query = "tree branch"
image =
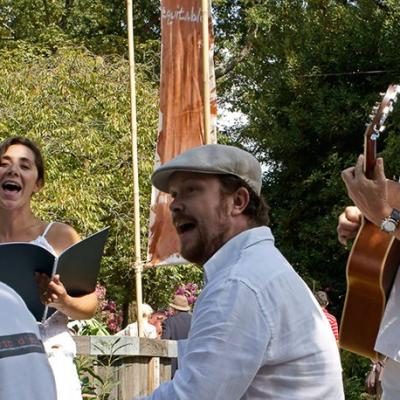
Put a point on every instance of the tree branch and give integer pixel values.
(69, 4)
(225, 69)
(228, 67)
(46, 11)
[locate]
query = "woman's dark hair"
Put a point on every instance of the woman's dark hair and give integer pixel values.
(257, 209)
(32, 146)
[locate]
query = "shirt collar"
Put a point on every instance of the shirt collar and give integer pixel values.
(226, 255)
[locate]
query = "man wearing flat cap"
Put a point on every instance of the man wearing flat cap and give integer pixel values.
(257, 331)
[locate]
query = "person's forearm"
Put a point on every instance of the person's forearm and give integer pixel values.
(82, 307)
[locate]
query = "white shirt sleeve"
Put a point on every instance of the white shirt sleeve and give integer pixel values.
(150, 331)
(223, 353)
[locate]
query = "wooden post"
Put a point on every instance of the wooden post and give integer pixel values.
(127, 366)
(138, 261)
(206, 71)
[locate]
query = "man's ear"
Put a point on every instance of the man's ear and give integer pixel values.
(241, 199)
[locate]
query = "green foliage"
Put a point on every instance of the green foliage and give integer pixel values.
(99, 25)
(161, 283)
(90, 327)
(90, 381)
(97, 374)
(76, 106)
(355, 369)
(307, 87)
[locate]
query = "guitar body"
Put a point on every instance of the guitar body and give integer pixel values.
(371, 269)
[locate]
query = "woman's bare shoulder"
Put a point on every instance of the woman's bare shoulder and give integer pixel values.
(62, 236)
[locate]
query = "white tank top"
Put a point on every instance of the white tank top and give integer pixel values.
(42, 241)
(54, 330)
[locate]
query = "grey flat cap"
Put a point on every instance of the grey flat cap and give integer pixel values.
(216, 159)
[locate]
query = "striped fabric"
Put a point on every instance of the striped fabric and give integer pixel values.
(332, 322)
(20, 343)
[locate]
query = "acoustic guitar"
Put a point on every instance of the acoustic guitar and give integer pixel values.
(373, 260)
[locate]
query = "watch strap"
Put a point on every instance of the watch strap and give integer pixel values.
(395, 216)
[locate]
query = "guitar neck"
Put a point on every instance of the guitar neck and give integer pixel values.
(369, 156)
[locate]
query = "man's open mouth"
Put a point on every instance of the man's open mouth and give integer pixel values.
(183, 228)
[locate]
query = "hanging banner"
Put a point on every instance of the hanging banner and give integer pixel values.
(181, 123)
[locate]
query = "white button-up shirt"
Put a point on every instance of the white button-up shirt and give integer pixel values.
(257, 332)
(388, 341)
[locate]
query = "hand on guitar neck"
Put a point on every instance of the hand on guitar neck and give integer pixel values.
(373, 198)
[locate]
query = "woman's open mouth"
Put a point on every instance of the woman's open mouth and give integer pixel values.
(11, 186)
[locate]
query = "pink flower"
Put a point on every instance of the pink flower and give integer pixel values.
(110, 306)
(190, 290)
(100, 292)
(112, 325)
(180, 290)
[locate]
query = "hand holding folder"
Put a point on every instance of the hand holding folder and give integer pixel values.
(78, 267)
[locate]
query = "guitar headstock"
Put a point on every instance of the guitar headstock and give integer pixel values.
(381, 111)
(376, 126)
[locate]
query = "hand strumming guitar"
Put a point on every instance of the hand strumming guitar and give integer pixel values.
(348, 224)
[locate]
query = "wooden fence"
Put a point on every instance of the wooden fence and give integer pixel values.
(126, 367)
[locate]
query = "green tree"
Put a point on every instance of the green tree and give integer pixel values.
(76, 106)
(307, 86)
(100, 25)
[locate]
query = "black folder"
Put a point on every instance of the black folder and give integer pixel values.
(78, 267)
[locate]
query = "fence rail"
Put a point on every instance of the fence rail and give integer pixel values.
(127, 366)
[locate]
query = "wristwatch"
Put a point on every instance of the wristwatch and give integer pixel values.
(390, 224)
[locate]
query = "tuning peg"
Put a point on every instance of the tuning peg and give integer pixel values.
(374, 134)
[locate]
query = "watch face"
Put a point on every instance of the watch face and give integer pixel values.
(389, 226)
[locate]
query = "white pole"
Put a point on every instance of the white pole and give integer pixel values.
(206, 71)
(138, 262)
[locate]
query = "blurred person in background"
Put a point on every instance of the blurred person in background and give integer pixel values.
(149, 330)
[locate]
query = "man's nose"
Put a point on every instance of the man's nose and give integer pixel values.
(176, 205)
